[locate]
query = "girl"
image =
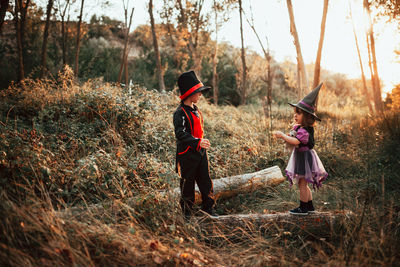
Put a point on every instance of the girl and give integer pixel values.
(304, 164)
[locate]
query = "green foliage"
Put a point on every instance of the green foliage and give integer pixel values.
(97, 57)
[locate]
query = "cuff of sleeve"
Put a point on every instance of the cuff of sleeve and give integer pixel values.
(198, 145)
(299, 140)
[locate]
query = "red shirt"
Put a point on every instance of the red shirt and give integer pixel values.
(198, 125)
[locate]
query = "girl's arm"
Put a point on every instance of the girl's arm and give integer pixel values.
(288, 139)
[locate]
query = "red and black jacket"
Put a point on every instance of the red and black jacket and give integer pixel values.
(188, 124)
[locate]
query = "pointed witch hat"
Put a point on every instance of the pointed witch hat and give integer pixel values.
(307, 104)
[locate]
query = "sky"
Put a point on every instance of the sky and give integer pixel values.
(271, 18)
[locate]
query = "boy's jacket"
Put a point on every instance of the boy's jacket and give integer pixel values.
(188, 148)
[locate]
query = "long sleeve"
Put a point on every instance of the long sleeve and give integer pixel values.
(184, 136)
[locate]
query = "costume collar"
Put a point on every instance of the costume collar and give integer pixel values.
(189, 107)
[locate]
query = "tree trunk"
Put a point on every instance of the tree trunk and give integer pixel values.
(192, 48)
(3, 9)
(303, 84)
(64, 30)
(63, 40)
(267, 108)
(45, 38)
(78, 40)
(215, 60)
(320, 224)
(198, 56)
(231, 186)
(126, 69)
(374, 75)
(365, 89)
(23, 10)
(19, 18)
(160, 74)
(317, 65)
(243, 56)
(215, 74)
(171, 39)
(124, 53)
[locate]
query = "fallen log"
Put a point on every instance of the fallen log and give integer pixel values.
(223, 188)
(318, 224)
(234, 185)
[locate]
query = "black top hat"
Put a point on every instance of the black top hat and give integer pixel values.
(308, 102)
(189, 84)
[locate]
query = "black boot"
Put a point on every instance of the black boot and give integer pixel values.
(301, 210)
(187, 210)
(310, 207)
(210, 212)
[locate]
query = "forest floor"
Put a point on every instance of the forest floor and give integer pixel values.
(65, 145)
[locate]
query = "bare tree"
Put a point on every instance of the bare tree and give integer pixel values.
(3, 9)
(317, 65)
(301, 75)
(268, 58)
(166, 14)
(126, 69)
(124, 59)
(160, 73)
(64, 28)
(243, 57)
(21, 9)
(365, 89)
(267, 101)
(192, 34)
(45, 38)
(78, 39)
(374, 70)
(217, 8)
(215, 57)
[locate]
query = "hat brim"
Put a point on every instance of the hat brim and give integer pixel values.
(200, 90)
(305, 110)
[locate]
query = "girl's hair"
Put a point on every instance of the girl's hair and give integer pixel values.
(308, 119)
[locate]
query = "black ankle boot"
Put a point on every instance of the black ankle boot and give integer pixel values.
(301, 210)
(310, 207)
(210, 212)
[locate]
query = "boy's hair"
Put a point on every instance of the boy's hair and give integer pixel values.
(308, 119)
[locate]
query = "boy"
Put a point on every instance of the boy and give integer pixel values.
(191, 155)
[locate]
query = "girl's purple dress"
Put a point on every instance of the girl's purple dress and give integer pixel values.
(304, 161)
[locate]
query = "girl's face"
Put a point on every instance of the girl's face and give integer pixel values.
(195, 97)
(298, 116)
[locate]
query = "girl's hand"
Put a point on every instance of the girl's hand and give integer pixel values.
(278, 134)
(205, 143)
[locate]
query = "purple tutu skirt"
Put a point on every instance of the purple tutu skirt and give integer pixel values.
(306, 165)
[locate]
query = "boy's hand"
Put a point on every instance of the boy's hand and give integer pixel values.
(277, 134)
(205, 143)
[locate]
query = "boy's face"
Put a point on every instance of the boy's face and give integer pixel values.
(195, 97)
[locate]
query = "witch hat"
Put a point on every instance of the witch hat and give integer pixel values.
(189, 84)
(307, 104)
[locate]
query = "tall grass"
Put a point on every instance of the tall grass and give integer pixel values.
(82, 167)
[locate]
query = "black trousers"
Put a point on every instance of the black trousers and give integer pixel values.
(195, 172)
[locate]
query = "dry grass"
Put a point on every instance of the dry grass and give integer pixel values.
(81, 171)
